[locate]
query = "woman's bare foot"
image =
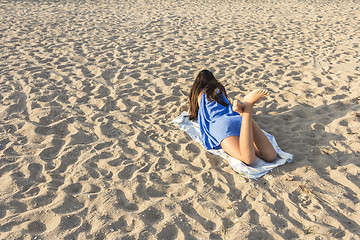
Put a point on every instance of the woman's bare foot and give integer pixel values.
(255, 96)
(237, 107)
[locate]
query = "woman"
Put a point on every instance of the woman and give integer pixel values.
(228, 127)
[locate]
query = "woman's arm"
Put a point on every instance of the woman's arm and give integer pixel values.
(199, 98)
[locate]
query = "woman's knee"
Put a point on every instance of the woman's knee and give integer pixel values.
(248, 160)
(270, 157)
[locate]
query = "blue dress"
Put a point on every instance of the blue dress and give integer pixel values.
(217, 122)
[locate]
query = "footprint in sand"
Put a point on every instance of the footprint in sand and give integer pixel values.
(127, 172)
(72, 189)
(151, 216)
(51, 152)
(189, 210)
(36, 227)
(69, 204)
(35, 170)
(69, 222)
(168, 232)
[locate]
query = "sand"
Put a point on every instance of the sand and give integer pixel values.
(88, 91)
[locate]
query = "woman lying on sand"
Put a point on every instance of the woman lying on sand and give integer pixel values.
(228, 127)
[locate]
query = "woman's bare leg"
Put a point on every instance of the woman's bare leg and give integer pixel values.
(243, 147)
(246, 140)
(263, 147)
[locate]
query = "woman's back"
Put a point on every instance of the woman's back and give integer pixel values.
(217, 121)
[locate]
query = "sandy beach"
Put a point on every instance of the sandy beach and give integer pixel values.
(88, 90)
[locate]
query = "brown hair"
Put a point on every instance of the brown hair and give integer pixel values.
(205, 80)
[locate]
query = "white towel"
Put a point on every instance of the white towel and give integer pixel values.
(257, 169)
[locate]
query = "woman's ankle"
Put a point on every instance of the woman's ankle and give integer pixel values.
(248, 107)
